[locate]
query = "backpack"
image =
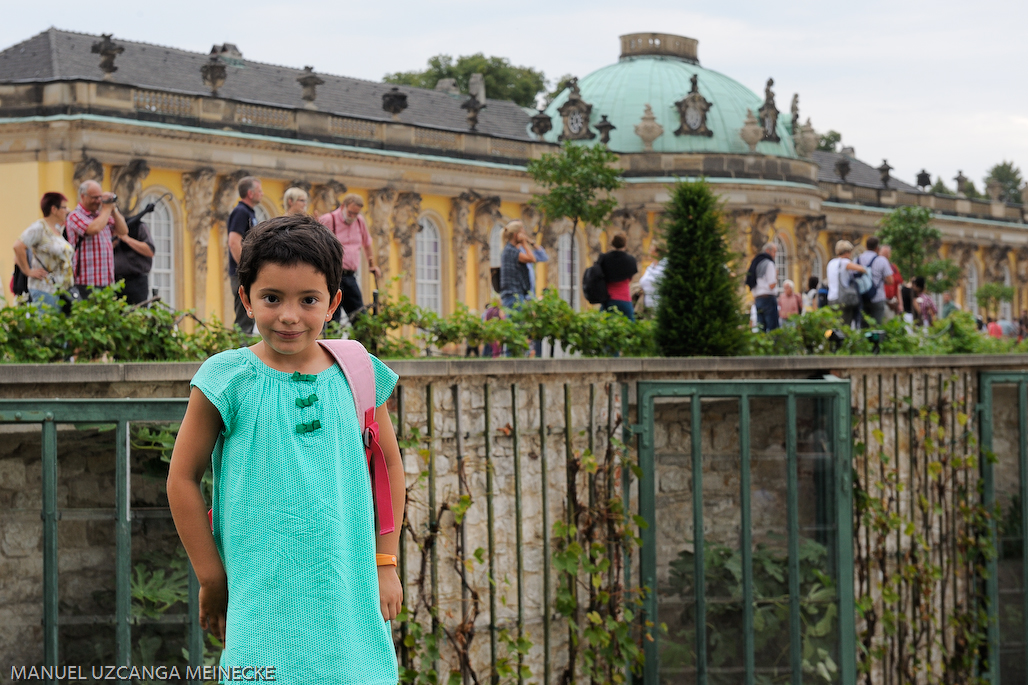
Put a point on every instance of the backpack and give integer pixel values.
(19, 281)
(594, 285)
(751, 273)
(822, 297)
(866, 284)
(355, 362)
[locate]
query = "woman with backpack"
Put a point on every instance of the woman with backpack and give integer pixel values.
(841, 290)
(43, 255)
(618, 268)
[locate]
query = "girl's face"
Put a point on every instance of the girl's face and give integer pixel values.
(290, 305)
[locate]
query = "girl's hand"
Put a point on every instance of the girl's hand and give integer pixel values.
(213, 606)
(390, 592)
(39, 274)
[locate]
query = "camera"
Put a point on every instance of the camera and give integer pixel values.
(111, 200)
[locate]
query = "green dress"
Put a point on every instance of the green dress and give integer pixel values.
(294, 523)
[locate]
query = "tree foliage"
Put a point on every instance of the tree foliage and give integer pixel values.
(829, 142)
(989, 295)
(699, 311)
(939, 188)
(913, 239)
(1009, 177)
(558, 87)
(503, 80)
(579, 180)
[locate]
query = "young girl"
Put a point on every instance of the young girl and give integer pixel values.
(288, 578)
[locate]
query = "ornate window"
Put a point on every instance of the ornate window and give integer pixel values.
(427, 254)
(495, 244)
(1006, 309)
(162, 229)
(567, 276)
(782, 261)
(262, 212)
(971, 288)
(817, 266)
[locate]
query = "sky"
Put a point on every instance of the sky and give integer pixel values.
(937, 85)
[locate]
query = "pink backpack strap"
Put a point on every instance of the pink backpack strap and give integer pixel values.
(355, 362)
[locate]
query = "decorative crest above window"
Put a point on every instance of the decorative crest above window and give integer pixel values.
(692, 110)
(576, 113)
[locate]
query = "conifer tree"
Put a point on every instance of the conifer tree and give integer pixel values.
(699, 312)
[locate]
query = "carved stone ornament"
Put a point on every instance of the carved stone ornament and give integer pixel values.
(751, 133)
(127, 181)
(769, 114)
(605, 127)
(794, 109)
(213, 73)
(89, 169)
(325, 196)
(648, 129)
(380, 211)
(576, 113)
(310, 82)
(198, 188)
(924, 179)
(692, 110)
(961, 182)
(394, 101)
(108, 50)
(842, 167)
(541, 124)
(805, 139)
(460, 213)
(473, 106)
(994, 188)
(883, 173)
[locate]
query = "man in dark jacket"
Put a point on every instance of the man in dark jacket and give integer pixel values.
(240, 221)
(133, 259)
(762, 279)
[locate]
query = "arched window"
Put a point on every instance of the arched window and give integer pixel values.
(971, 288)
(817, 267)
(782, 261)
(567, 263)
(1006, 309)
(161, 223)
(427, 253)
(262, 212)
(495, 244)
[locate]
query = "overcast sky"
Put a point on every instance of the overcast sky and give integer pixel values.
(941, 85)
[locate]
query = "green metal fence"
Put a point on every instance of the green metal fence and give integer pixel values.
(701, 438)
(120, 412)
(1004, 436)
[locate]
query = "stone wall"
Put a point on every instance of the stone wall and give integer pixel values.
(86, 476)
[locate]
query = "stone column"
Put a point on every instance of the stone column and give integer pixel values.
(807, 230)
(325, 197)
(487, 213)
(380, 212)
(198, 188)
(405, 227)
(460, 212)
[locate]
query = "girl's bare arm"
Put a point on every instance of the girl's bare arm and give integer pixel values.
(390, 590)
(189, 461)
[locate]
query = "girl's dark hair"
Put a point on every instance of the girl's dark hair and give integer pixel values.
(812, 282)
(619, 241)
(50, 202)
(288, 240)
(919, 282)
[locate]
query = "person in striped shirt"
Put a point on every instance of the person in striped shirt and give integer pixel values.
(94, 222)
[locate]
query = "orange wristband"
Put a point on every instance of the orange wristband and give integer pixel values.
(385, 559)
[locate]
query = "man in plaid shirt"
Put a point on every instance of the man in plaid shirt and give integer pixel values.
(95, 221)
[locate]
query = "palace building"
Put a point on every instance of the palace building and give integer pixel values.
(441, 172)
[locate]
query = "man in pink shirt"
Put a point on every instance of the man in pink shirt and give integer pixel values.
(349, 228)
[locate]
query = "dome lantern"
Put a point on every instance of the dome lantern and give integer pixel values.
(660, 45)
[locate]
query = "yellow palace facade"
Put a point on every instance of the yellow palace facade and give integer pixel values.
(440, 172)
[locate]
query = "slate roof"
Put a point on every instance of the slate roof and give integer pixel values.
(861, 173)
(66, 56)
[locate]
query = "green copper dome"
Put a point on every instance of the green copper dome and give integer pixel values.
(621, 91)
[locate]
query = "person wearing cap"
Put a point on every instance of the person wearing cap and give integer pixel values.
(838, 275)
